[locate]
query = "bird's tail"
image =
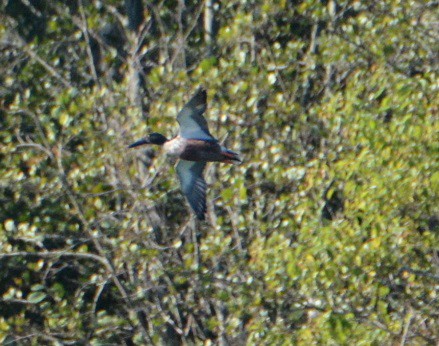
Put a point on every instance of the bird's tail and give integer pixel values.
(230, 156)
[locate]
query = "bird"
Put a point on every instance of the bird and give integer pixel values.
(194, 146)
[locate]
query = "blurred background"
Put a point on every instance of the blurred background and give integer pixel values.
(326, 234)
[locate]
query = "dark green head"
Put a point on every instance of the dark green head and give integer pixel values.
(153, 138)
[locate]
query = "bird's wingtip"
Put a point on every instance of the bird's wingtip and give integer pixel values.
(200, 217)
(201, 92)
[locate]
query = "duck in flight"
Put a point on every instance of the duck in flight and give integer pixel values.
(194, 146)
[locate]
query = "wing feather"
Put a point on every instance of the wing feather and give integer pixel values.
(193, 125)
(193, 185)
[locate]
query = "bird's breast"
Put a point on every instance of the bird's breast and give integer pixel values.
(175, 146)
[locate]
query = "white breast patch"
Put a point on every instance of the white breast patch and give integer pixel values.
(174, 147)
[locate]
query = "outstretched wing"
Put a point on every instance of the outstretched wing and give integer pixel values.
(193, 125)
(193, 185)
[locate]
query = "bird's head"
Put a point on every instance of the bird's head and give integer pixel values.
(153, 138)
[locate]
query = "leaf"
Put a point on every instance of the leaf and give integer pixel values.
(36, 297)
(64, 119)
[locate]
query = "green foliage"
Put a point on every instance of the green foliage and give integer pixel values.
(326, 234)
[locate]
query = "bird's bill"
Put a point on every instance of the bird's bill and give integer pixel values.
(139, 142)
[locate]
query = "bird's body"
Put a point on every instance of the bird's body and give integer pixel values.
(194, 146)
(197, 150)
